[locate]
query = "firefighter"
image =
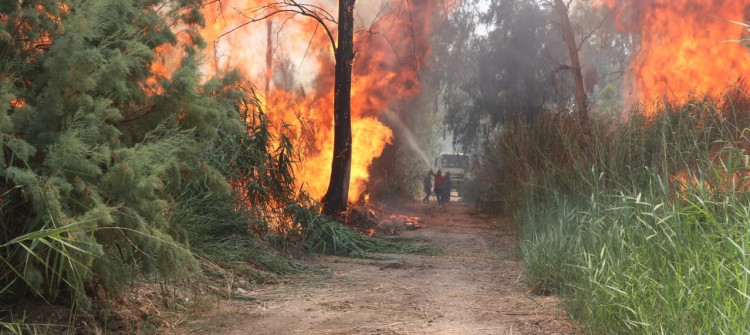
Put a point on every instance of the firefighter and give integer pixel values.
(439, 183)
(427, 184)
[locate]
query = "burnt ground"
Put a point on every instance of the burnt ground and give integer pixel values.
(474, 285)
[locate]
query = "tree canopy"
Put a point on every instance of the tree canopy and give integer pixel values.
(505, 60)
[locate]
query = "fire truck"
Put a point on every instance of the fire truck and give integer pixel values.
(458, 164)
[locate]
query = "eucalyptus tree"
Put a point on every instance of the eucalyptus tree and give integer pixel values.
(337, 195)
(504, 59)
(581, 98)
(496, 65)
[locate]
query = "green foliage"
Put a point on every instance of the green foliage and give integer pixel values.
(221, 220)
(609, 101)
(644, 229)
(93, 152)
(262, 171)
(500, 70)
(22, 327)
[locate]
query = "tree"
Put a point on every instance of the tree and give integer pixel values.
(337, 195)
(94, 146)
(581, 98)
(604, 53)
(497, 75)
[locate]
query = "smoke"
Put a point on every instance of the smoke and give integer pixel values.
(408, 136)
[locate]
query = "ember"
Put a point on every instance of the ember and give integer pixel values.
(371, 220)
(394, 224)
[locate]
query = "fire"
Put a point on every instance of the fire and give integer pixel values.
(371, 219)
(685, 46)
(386, 70)
(162, 67)
(18, 103)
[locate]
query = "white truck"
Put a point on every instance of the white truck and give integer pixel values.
(458, 164)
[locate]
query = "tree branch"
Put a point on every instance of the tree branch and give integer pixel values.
(371, 31)
(413, 42)
(314, 12)
(591, 33)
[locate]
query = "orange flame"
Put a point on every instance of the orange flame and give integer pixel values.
(18, 103)
(685, 46)
(389, 56)
(161, 68)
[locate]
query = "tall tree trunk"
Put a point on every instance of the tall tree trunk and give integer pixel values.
(269, 56)
(335, 199)
(575, 67)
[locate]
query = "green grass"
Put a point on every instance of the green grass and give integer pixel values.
(637, 264)
(632, 247)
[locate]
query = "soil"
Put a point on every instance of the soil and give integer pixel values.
(473, 285)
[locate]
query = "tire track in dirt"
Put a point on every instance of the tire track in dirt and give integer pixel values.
(475, 285)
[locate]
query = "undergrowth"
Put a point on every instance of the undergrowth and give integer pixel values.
(644, 228)
(328, 236)
(112, 172)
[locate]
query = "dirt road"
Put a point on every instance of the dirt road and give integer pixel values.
(475, 285)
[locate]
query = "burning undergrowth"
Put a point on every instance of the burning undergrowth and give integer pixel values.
(325, 235)
(373, 220)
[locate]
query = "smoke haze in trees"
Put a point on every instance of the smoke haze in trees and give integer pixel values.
(499, 60)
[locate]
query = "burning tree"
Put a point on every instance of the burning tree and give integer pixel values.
(390, 53)
(337, 195)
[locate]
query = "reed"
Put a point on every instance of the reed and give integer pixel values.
(647, 229)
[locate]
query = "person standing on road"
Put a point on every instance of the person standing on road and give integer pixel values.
(447, 188)
(427, 183)
(439, 182)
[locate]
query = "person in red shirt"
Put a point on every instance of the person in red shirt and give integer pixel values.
(439, 184)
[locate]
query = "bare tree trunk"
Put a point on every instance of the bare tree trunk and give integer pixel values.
(335, 199)
(575, 67)
(269, 56)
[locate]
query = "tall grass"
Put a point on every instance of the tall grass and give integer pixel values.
(644, 229)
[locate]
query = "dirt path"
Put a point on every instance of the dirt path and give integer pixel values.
(474, 286)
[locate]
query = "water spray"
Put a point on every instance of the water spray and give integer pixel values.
(410, 139)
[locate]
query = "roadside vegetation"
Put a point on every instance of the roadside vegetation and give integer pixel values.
(122, 167)
(114, 174)
(644, 228)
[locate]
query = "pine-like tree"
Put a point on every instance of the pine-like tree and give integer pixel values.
(94, 146)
